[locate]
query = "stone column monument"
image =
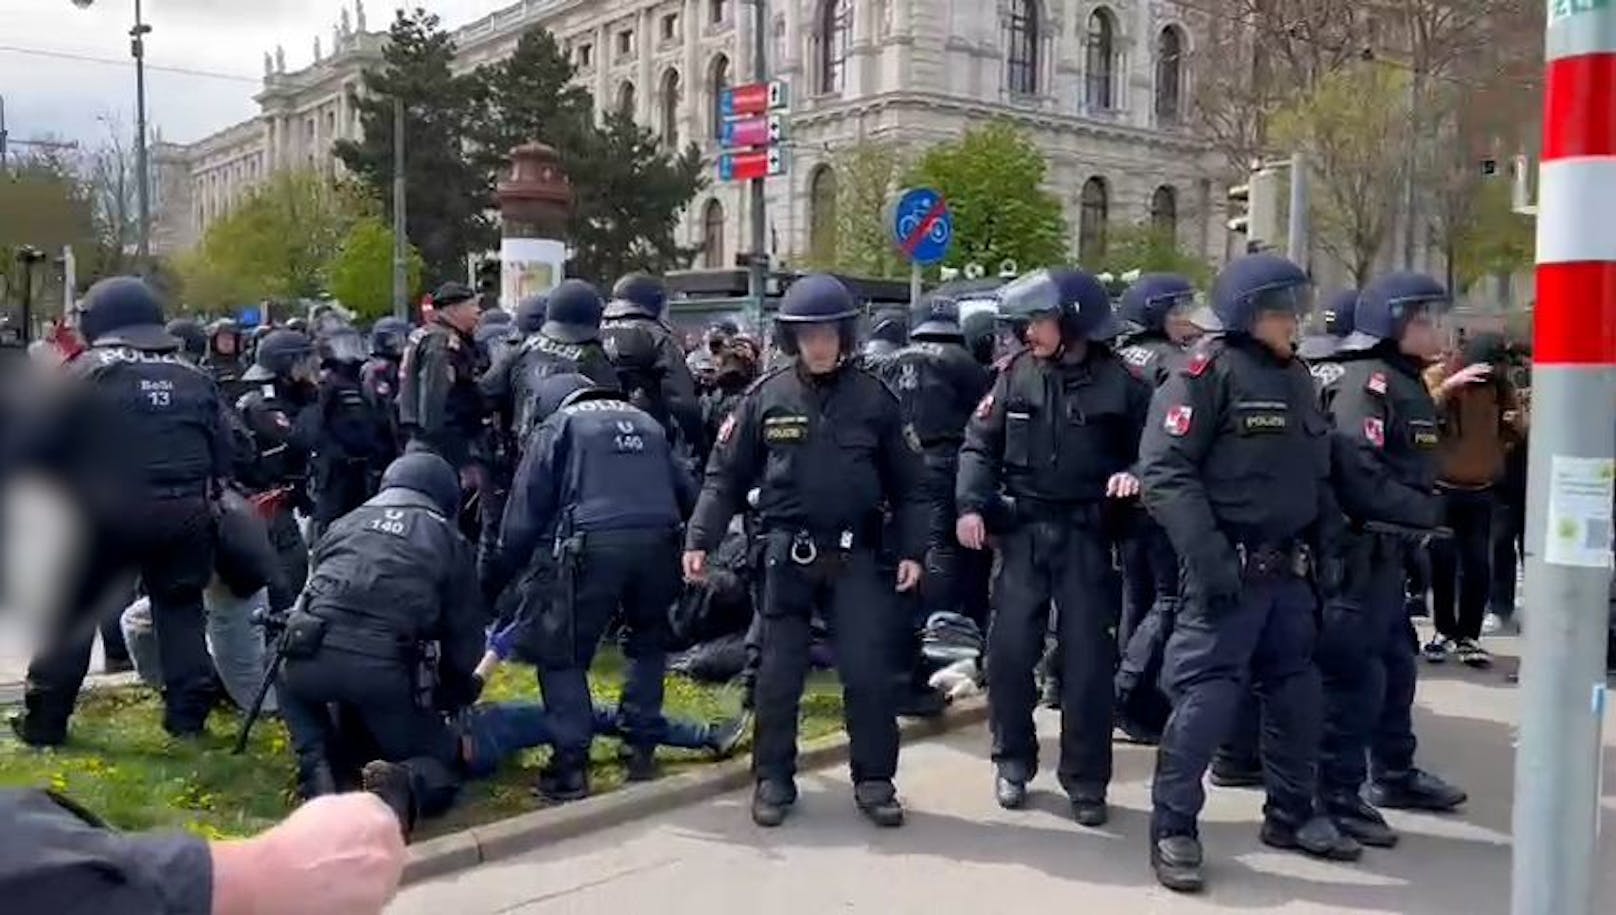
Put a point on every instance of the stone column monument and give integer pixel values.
(534, 201)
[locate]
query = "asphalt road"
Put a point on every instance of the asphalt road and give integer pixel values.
(961, 853)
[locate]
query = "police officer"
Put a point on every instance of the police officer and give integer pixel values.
(826, 444)
(225, 359)
(354, 442)
(282, 415)
(598, 491)
(1057, 436)
(495, 334)
(889, 332)
(649, 359)
(192, 338)
(1155, 309)
(389, 580)
(567, 342)
(145, 450)
(735, 368)
(1236, 467)
(379, 377)
(981, 333)
(1386, 435)
(530, 315)
(440, 406)
(1322, 351)
(938, 383)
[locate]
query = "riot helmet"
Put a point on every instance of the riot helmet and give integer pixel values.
(815, 299)
(637, 295)
(1250, 286)
(936, 318)
(388, 336)
(428, 474)
(1149, 300)
(342, 346)
(226, 329)
(193, 339)
(980, 329)
(530, 314)
(564, 389)
(1388, 302)
(494, 317)
(279, 354)
(890, 326)
(573, 313)
(1075, 297)
(125, 311)
(1339, 309)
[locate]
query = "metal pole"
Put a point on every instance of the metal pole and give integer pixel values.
(1410, 200)
(1568, 547)
(1297, 245)
(70, 281)
(916, 279)
(137, 47)
(27, 299)
(401, 306)
(759, 264)
(2, 133)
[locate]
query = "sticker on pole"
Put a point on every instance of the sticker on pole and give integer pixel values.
(1579, 518)
(922, 226)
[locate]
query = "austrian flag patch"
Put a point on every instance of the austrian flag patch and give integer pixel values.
(1177, 421)
(985, 408)
(1375, 431)
(1377, 383)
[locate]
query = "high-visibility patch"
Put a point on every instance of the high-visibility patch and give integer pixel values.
(1262, 422)
(1377, 383)
(1375, 431)
(1177, 420)
(984, 408)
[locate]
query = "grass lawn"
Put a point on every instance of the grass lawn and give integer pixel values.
(120, 763)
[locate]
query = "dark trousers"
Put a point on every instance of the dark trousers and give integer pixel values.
(170, 542)
(1366, 657)
(293, 555)
(1509, 550)
(1149, 573)
(1070, 565)
(956, 578)
(1461, 566)
(638, 572)
(343, 487)
(1141, 702)
(858, 602)
(344, 709)
(1266, 638)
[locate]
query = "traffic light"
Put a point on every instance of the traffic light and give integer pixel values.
(1255, 206)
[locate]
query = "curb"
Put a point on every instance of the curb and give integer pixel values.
(505, 838)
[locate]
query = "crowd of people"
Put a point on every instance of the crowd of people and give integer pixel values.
(1067, 499)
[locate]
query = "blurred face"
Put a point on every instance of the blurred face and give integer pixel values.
(1276, 330)
(1044, 337)
(1180, 329)
(307, 370)
(1423, 337)
(224, 344)
(819, 348)
(462, 316)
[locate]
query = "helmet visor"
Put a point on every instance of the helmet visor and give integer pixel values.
(344, 346)
(1030, 296)
(1296, 300)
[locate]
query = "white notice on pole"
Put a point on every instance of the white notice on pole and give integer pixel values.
(1579, 522)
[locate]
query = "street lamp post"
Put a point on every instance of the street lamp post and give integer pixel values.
(137, 50)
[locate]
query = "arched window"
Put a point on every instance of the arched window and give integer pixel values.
(822, 214)
(717, 82)
(625, 100)
(1100, 61)
(1021, 73)
(1164, 213)
(712, 235)
(833, 28)
(670, 107)
(1169, 74)
(1091, 221)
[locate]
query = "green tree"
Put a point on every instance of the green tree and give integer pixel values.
(449, 190)
(993, 180)
(1148, 249)
(629, 190)
(360, 276)
(868, 174)
(1494, 239)
(44, 205)
(276, 244)
(1353, 124)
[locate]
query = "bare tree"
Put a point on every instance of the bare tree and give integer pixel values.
(109, 171)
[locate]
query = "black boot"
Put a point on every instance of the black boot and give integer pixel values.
(391, 782)
(1230, 772)
(724, 740)
(1010, 785)
(921, 702)
(772, 800)
(1317, 837)
(1416, 790)
(28, 731)
(878, 801)
(1355, 817)
(641, 764)
(1177, 863)
(1089, 809)
(563, 781)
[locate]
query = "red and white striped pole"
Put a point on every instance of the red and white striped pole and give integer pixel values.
(1573, 440)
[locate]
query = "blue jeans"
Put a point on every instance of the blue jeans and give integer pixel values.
(499, 731)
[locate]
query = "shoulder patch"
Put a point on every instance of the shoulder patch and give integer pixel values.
(1198, 364)
(1375, 431)
(1178, 420)
(984, 408)
(727, 430)
(1376, 383)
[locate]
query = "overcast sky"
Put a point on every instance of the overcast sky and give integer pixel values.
(221, 41)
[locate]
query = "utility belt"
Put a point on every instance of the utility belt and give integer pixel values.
(1271, 560)
(307, 636)
(1025, 510)
(804, 547)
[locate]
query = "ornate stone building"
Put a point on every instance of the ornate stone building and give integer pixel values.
(1103, 88)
